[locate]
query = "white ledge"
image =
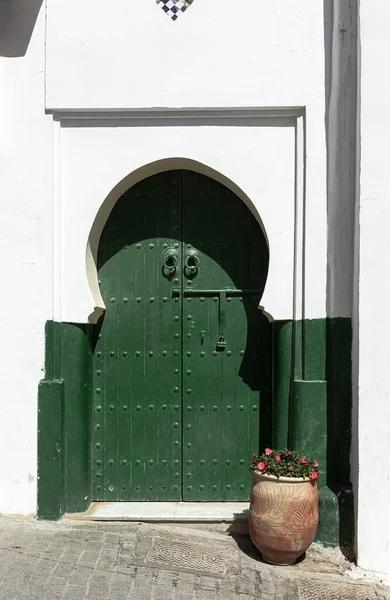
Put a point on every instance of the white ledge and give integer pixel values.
(164, 511)
(221, 112)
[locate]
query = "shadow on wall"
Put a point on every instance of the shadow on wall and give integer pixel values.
(341, 97)
(17, 21)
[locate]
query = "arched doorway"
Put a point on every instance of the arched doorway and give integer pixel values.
(182, 379)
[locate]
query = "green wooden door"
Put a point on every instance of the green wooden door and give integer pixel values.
(182, 366)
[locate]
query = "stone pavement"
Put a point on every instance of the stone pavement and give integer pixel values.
(72, 560)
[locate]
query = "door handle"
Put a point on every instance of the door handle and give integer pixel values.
(223, 294)
(221, 344)
(170, 259)
(191, 261)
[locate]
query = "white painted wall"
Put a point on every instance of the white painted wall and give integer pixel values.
(128, 54)
(137, 58)
(25, 175)
(374, 335)
(259, 160)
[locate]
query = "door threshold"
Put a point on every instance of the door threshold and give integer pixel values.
(195, 512)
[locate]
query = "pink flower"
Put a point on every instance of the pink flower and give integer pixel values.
(261, 466)
(268, 451)
(277, 458)
(304, 461)
(268, 466)
(290, 468)
(315, 463)
(314, 475)
(253, 456)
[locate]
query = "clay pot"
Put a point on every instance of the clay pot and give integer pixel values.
(283, 517)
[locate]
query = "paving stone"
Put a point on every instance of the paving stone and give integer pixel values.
(63, 570)
(202, 594)
(98, 592)
(207, 583)
(144, 585)
(166, 585)
(245, 587)
(185, 592)
(74, 593)
(81, 576)
(70, 559)
(88, 559)
(286, 589)
(322, 590)
(120, 561)
(118, 594)
(106, 564)
(96, 595)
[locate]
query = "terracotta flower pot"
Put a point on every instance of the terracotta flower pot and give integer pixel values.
(283, 517)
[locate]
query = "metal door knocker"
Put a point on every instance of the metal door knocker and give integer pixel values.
(191, 261)
(170, 259)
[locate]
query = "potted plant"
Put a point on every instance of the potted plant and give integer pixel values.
(283, 515)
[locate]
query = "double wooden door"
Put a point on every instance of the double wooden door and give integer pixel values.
(181, 359)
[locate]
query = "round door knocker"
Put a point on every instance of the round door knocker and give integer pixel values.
(192, 261)
(170, 259)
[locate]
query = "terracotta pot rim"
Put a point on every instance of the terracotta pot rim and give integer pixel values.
(284, 479)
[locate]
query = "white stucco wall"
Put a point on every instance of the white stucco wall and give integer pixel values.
(25, 176)
(374, 297)
(128, 55)
(265, 172)
(208, 58)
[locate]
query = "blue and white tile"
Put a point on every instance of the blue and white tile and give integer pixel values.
(174, 8)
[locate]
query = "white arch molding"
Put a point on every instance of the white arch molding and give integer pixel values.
(259, 157)
(159, 166)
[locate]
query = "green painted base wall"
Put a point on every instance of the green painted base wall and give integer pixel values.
(64, 421)
(311, 412)
(50, 450)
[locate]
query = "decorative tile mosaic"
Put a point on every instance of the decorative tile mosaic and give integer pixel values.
(188, 555)
(174, 8)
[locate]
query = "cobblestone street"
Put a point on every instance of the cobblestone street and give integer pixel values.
(69, 560)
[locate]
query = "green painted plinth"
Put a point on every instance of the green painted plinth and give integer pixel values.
(312, 413)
